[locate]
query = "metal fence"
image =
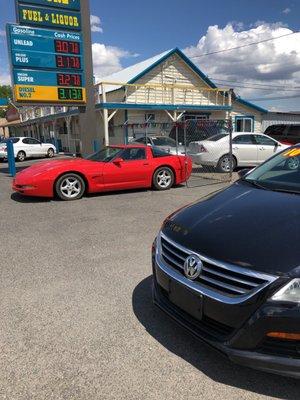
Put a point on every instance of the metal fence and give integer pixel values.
(207, 142)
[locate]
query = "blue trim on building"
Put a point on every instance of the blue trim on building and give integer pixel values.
(126, 127)
(146, 106)
(243, 117)
(248, 104)
(3, 102)
(185, 58)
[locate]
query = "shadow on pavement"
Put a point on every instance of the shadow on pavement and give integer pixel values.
(27, 199)
(177, 340)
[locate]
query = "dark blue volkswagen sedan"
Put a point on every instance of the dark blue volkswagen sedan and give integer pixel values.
(228, 267)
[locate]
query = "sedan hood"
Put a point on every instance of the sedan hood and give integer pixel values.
(243, 225)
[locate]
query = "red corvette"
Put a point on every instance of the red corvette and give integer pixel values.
(113, 168)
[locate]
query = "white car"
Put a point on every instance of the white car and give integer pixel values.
(25, 147)
(163, 142)
(248, 149)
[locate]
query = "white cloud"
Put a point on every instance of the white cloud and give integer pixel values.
(286, 11)
(107, 59)
(4, 78)
(270, 63)
(96, 24)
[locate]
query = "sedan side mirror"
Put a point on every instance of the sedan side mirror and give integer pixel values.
(243, 172)
(118, 160)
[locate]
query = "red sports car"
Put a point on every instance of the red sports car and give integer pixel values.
(112, 168)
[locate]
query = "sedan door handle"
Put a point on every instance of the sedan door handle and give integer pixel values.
(146, 163)
(261, 148)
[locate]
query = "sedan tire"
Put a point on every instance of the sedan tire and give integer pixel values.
(50, 153)
(224, 164)
(70, 187)
(163, 178)
(21, 156)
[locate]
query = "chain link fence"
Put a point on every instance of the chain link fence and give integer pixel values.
(207, 142)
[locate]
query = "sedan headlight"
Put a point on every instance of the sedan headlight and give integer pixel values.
(290, 292)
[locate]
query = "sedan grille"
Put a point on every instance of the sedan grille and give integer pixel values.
(225, 279)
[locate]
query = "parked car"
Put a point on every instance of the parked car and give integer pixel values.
(248, 149)
(26, 147)
(196, 130)
(227, 267)
(164, 143)
(112, 168)
(287, 134)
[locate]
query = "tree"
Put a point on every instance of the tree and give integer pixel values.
(5, 91)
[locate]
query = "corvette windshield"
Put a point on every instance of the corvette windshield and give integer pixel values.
(104, 155)
(280, 173)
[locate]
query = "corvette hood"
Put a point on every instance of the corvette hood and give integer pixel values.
(46, 166)
(243, 225)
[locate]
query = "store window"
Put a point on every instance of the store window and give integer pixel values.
(244, 124)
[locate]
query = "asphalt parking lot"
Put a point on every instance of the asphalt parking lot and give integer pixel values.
(76, 317)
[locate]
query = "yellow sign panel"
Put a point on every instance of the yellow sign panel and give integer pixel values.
(44, 94)
(292, 153)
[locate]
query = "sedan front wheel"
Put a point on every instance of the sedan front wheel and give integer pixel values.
(70, 187)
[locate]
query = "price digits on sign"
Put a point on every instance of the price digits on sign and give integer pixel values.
(68, 62)
(69, 79)
(66, 46)
(69, 94)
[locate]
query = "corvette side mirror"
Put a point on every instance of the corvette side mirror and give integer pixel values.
(118, 160)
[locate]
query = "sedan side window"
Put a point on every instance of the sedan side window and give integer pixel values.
(133, 153)
(30, 141)
(264, 140)
(243, 139)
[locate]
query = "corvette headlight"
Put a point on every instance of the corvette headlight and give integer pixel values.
(290, 292)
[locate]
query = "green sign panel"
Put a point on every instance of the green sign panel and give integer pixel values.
(49, 17)
(66, 4)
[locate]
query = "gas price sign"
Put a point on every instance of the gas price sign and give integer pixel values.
(47, 65)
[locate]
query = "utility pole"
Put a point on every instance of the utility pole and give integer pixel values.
(89, 128)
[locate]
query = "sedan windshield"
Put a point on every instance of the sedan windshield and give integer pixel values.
(279, 173)
(105, 155)
(163, 141)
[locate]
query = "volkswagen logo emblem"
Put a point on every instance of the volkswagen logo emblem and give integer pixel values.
(192, 267)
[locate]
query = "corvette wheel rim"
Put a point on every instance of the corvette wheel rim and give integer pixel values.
(164, 178)
(70, 187)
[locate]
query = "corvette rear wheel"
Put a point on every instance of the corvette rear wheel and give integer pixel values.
(70, 187)
(163, 178)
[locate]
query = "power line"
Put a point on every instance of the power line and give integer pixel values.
(275, 98)
(252, 83)
(264, 88)
(244, 45)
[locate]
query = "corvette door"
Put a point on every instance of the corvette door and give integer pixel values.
(132, 169)
(244, 148)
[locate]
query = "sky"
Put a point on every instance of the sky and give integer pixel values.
(124, 33)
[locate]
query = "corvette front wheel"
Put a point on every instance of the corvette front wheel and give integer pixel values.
(70, 187)
(163, 178)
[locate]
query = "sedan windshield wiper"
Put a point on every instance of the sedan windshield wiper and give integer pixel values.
(287, 191)
(256, 184)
